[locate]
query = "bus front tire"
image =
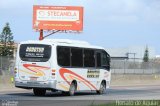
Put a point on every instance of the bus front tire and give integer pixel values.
(39, 92)
(102, 89)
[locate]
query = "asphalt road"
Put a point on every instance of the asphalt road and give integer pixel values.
(26, 97)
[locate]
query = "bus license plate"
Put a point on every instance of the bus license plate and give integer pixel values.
(33, 78)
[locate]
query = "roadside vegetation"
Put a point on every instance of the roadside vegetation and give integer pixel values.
(6, 41)
(130, 103)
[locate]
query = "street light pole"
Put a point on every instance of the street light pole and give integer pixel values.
(134, 54)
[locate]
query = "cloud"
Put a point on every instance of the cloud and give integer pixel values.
(15, 4)
(122, 11)
(152, 12)
(8, 4)
(122, 18)
(122, 6)
(128, 11)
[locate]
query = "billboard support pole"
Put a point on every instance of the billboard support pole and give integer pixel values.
(41, 34)
(51, 33)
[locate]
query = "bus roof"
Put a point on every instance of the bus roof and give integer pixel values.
(66, 41)
(63, 42)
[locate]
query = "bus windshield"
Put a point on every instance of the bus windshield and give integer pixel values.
(35, 52)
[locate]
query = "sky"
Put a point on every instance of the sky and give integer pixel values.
(107, 23)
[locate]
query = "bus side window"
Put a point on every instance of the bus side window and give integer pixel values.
(98, 59)
(63, 56)
(105, 60)
(89, 60)
(76, 57)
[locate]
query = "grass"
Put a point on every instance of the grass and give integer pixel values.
(6, 82)
(130, 103)
(107, 104)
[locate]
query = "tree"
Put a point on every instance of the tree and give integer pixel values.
(146, 55)
(6, 41)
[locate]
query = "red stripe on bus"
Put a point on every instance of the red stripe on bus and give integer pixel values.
(62, 71)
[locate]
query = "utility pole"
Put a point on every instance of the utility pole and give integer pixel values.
(1, 64)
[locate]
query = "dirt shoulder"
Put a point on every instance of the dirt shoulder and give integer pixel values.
(116, 80)
(135, 80)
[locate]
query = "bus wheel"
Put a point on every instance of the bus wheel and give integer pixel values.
(102, 88)
(65, 93)
(39, 92)
(72, 89)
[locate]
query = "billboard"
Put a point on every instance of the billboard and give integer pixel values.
(58, 18)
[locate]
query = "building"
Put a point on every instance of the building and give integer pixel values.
(131, 53)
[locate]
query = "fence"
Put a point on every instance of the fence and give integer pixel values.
(7, 65)
(135, 67)
(118, 66)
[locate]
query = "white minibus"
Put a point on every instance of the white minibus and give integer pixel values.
(62, 65)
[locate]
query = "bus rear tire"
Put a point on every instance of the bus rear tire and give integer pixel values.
(102, 89)
(39, 92)
(72, 89)
(65, 93)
